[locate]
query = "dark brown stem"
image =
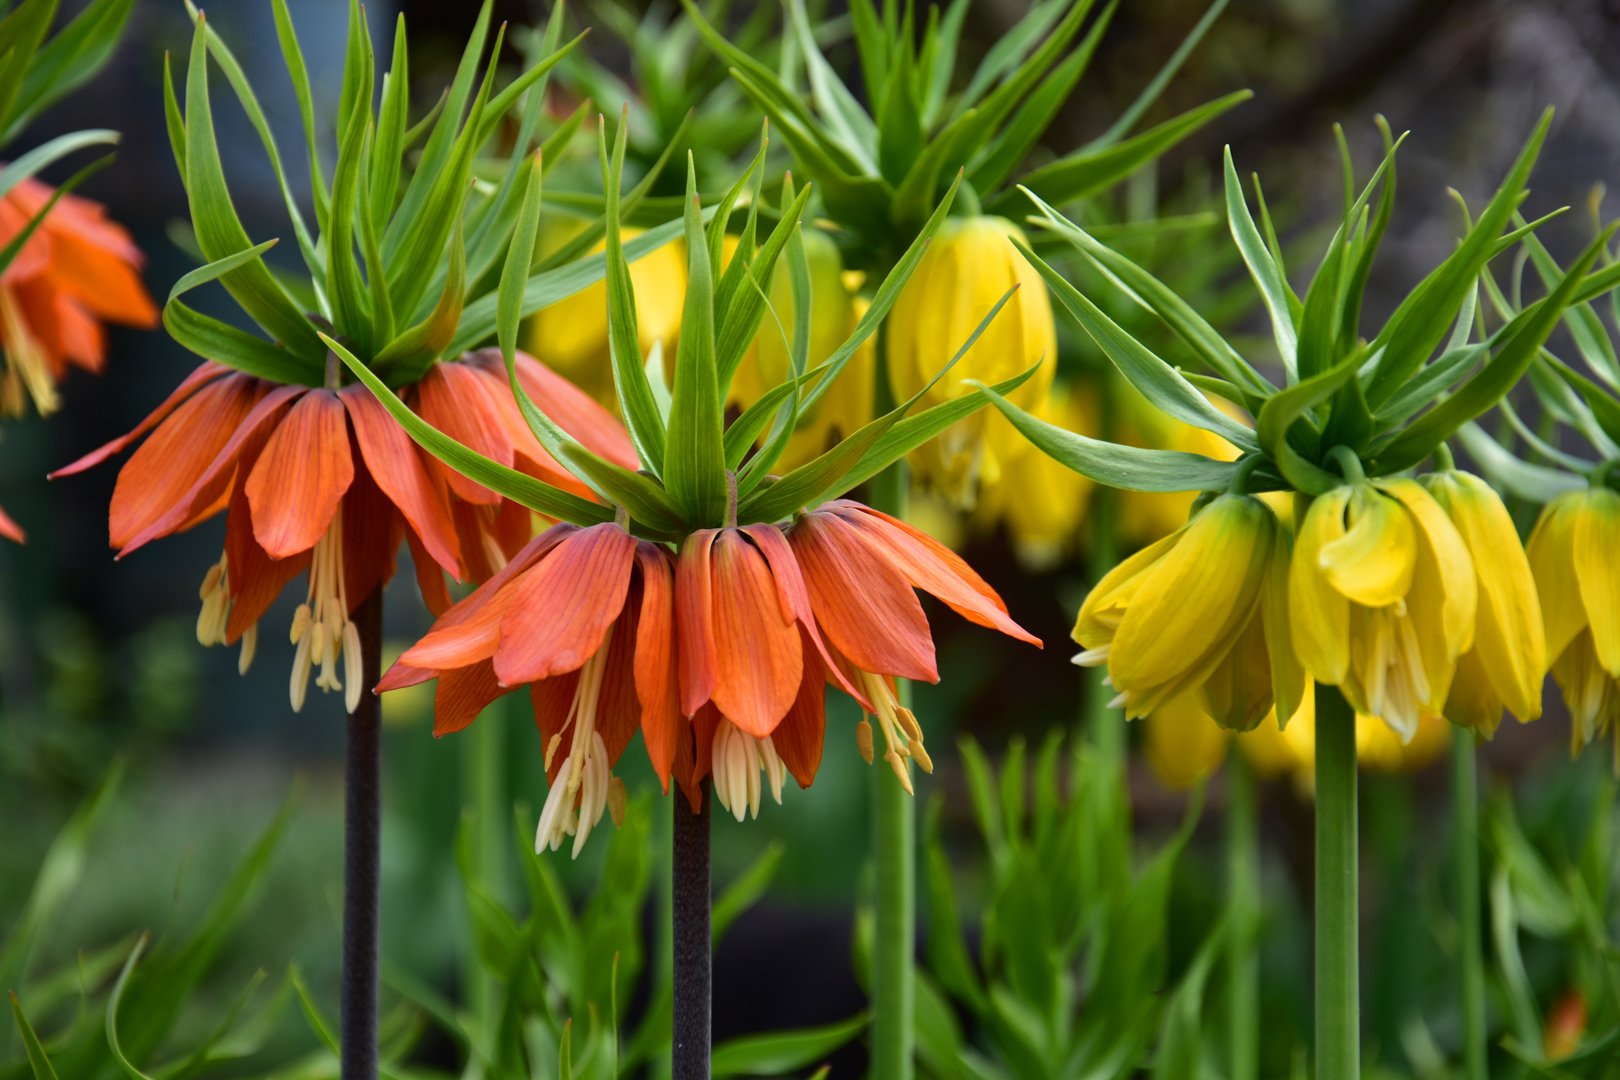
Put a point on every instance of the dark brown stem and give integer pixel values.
(693, 959)
(362, 834)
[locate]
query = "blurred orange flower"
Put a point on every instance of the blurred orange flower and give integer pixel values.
(77, 270)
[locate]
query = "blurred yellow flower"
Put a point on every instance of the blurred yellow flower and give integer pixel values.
(571, 336)
(1183, 746)
(1575, 555)
(1508, 663)
(1201, 610)
(1042, 503)
(1145, 516)
(969, 265)
(1383, 598)
(834, 310)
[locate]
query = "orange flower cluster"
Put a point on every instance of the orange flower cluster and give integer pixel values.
(720, 655)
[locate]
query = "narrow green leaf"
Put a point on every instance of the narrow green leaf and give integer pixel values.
(694, 456)
(1126, 467)
(1284, 409)
(1264, 270)
(39, 1063)
(1158, 381)
(783, 1052)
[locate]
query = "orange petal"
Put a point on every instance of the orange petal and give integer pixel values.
(695, 754)
(932, 567)
(862, 603)
(799, 737)
(618, 712)
(528, 456)
(694, 620)
(429, 577)
(575, 411)
(470, 630)
(461, 695)
(372, 530)
(191, 455)
(299, 479)
(755, 642)
(560, 611)
(11, 531)
(207, 372)
(400, 675)
(396, 465)
(457, 401)
(657, 687)
(255, 578)
(796, 598)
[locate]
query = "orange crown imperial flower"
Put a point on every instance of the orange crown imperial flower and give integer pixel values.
(77, 270)
(312, 474)
(706, 600)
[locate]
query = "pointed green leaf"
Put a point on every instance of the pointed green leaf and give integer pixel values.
(694, 456)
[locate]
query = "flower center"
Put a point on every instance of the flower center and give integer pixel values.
(321, 628)
(738, 760)
(585, 785)
(214, 618)
(902, 735)
(1396, 683)
(27, 375)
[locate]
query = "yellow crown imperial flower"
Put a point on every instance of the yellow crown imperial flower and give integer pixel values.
(1383, 598)
(969, 266)
(571, 336)
(1041, 503)
(1202, 609)
(1575, 555)
(1506, 666)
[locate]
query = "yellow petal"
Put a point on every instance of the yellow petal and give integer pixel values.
(1551, 551)
(1183, 745)
(1509, 641)
(1287, 674)
(1372, 562)
(1320, 614)
(1237, 694)
(1473, 702)
(1190, 604)
(1105, 604)
(1597, 565)
(1442, 559)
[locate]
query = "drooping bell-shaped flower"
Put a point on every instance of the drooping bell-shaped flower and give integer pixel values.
(1383, 596)
(1201, 610)
(1508, 661)
(969, 266)
(1575, 554)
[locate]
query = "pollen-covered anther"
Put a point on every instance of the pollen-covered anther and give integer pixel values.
(215, 595)
(914, 741)
(739, 759)
(321, 629)
(863, 740)
(902, 735)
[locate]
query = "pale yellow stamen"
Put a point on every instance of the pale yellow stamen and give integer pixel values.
(213, 620)
(321, 628)
(584, 787)
(738, 760)
(902, 735)
(27, 376)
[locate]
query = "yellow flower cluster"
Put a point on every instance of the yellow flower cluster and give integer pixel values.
(1413, 597)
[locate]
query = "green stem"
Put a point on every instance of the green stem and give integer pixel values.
(1243, 907)
(1338, 1006)
(894, 846)
(1465, 863)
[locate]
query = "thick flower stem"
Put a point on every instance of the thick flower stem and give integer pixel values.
(693, 959)
(362, 835)
(1465, 863)
(1243, 906)
(894, 842)
(1338, 1006)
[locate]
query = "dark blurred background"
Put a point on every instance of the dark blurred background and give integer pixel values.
(98, 659)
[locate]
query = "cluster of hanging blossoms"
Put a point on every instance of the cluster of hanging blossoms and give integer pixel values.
(1410, 595)
(704, 600)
